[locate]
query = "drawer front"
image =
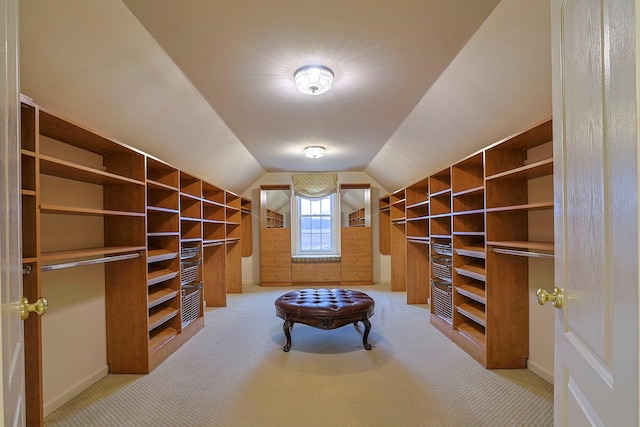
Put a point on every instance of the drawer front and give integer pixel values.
(276, 274)
(275, 246)
(352, 260)
(303, 272)
(362, 234)
(329, 272)
(275, 234)
(316, 272)
(276, 260)
(356, 272)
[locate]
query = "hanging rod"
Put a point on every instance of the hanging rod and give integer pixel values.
(89, 262)
(522, 253)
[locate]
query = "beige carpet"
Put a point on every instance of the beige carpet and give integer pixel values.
(234, 373)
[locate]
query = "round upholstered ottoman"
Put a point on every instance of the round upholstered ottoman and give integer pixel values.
(325, 309)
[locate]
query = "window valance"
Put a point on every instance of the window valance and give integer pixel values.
(315, 185)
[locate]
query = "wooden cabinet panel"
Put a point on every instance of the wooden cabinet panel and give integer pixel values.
(356, 255)
(355, 272)
(276, 275)
(316, 272)
(276, 260)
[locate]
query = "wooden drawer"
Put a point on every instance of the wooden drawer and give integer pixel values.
(275, 234)
(276, 246)
(276, 260)
(316, 272)
(349, 260)
(356, 272)
(356, 233)
(355, 245)
(276, 274)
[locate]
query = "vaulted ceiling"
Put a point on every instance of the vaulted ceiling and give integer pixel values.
(208, 85)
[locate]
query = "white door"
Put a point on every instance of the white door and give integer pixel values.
(12, 350)
(596, 199)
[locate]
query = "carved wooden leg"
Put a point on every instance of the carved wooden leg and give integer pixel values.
(367, 328)
(288, 325)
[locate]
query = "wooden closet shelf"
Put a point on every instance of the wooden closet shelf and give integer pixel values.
(469, 192)
(88, 252)
(163, 233)
(524, 207)
(192, 239)
(160, 336)
(162, 210)
(474, 271)
(473, 313)
(418, 204)
(160, 275)
(533, 170)
(157, 255)
(160, 185)
(161, 316)
(470, 212)
(190, 196)
(469, 233)
(423, 240)
(28, 192)
(471, 251)
(540, 246)
(446, 191)
(64, 169)
(208, 243)
(442, 215)
(473, 334)
(158, 295)
(441, 236)
(474, 292)
(26, 152)
(213, 203)
(66, 210)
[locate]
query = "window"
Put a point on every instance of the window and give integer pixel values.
(316, 226)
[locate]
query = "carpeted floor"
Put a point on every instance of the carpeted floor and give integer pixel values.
(234, 373)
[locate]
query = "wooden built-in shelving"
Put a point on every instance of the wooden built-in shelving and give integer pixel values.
(478, 236)
(149, 216)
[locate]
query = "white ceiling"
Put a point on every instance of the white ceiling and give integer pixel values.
(207, 85)
(241, 57)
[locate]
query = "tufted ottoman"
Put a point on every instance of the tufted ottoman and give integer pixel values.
(325, 309)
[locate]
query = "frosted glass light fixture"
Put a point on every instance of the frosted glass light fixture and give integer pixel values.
(314, 151)
(313, 79)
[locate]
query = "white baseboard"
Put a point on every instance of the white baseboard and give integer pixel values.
(75, 390)
(540, 371)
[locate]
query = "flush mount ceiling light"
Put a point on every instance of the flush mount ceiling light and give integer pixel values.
(314, 151)
(313, 79)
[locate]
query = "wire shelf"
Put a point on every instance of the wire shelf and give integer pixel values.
(441, 268)
(441, 296)
(189, 271)
(190, 299)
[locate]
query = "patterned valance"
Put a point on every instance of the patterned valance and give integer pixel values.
(315, 185)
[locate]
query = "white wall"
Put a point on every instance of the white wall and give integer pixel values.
(251, 265)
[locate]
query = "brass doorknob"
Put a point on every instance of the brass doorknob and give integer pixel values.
(39, 307)
(556, 297)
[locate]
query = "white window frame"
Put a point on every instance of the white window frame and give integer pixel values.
(295, 228)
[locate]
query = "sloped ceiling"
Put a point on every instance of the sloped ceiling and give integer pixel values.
(498, 85)
(92, 61)
(95, 62)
